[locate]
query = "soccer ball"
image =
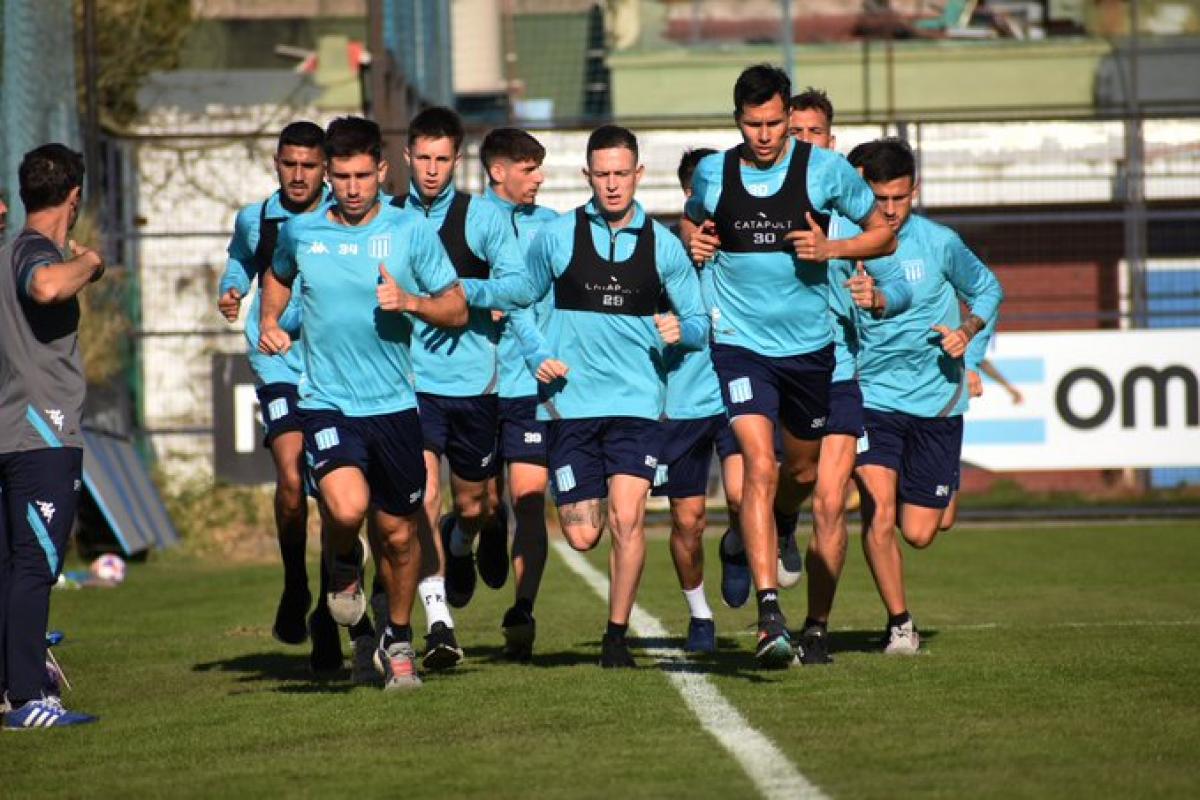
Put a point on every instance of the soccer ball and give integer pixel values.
(109, 567)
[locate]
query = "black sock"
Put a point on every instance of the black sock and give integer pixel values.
(809, 622)
(362, 628)
(295, 570)
(768, 602)
(395, 632)
(616, 630)
(525, 605)
(377, 585)
(785, 523)
(898, 619)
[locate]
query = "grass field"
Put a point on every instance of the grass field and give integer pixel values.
(1060, 661)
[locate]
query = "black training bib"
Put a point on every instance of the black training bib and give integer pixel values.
(591, 283)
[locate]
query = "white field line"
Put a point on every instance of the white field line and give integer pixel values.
(773, 774)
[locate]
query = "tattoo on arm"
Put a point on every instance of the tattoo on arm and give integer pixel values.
(972, 325)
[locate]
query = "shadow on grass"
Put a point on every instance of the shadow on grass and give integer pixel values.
(268, 666)
(731, 659)
(871, 641)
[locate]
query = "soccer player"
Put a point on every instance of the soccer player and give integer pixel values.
(367, 269)
(300, 168)
(512, 159)
(852, 291)
(913, 382)
(457, 375)
(598, 356)
(695, 423)
(767, 201)
(42, 388)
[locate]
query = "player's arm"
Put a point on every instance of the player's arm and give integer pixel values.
(46, 279)
(849, 195)
(276, 291)
(978, 287)
(534, 348)
(989, 369)
(239, 269)
(443, 304)
(508, 287)
(683, 290)
(879, 286)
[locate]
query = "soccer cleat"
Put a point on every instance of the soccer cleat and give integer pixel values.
(735, 574)
(791, 562)
(774, 650)
(491, 558)
(519, 631)
(814, 646)
(903, 640)
(614, 653)
(441, 648)
(701, 636)
(289, 627)
(325, 659)
(364, 671)
(45, 712)
(460, 570)
(399, 662)
(346, 600)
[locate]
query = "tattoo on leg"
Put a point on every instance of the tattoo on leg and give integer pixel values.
(585, 512)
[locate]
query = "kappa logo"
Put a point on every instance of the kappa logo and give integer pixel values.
(46, 509)
(486, 460)
(319, 464)
(318, 249)
(56, 416)
(532, 437)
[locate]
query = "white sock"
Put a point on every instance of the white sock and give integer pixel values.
(460, 543)
(433, 596)
(697, 602)
(733, 542)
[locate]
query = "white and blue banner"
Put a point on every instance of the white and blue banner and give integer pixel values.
(1091, 400)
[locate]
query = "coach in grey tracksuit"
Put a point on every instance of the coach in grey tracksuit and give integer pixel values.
(41, 400)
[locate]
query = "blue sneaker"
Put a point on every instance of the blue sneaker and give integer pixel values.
(702, 636)
(45, 712)
(735, 574)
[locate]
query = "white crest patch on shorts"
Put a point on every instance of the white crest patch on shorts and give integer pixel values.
(277, 408)
(740, 390)
(327, 438)
(863, 445)
(564, 479)
(660, 475)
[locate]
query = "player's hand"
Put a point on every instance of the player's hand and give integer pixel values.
(862, 288)
(974, 384)
(812, 244)
(954, 342)
(1016, 395)
(390, 295)
(272, 339)
(229, 304)
(668, 327)
(497, 315)
(83, 251)
(551, 370)
(704, 243)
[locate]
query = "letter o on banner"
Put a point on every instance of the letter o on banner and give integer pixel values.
(1062, 398)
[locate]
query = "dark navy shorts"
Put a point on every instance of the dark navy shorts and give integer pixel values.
(279, 406)
(845, 409)
(386, 448)
(686, 456)
(463, 429)
(792, 391)
(924, 452)
(582, 454)
(522, 434)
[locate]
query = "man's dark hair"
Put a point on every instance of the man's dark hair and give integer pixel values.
(813, 98)
(889, 159)
(609, 136)
(353, 136)
(859, 154)
(757, 85)
(688, 162)
(437, 122)
(47, 175)
(301, 133)
(513, 144)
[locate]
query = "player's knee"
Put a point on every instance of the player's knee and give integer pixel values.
(921, 537)
(289, 493)
(346, 512)
(402, 540)
(828, 507)
(582, 538)
(802, 472)
(762, 472)
(472, 506)
(688, 527)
